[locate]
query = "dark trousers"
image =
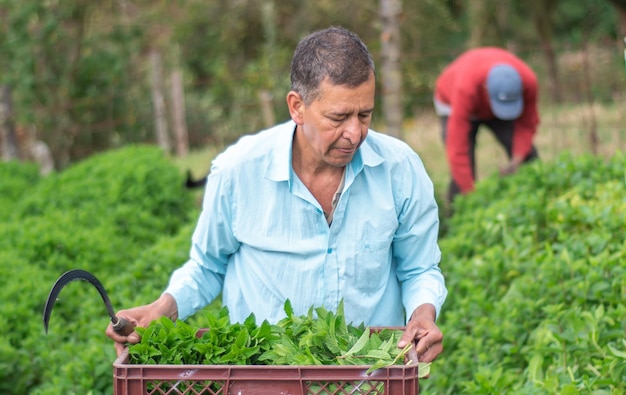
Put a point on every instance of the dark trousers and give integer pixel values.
(502, 131)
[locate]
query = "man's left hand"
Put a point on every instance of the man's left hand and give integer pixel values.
(424, 333)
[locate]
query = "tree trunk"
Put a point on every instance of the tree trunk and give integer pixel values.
(594, 139)
(158, 101)
(483, 22)
(622, 30)
(178, 114)
(36, 150)
(10, 150)
(268, 19)
(620, 7)
(541, 14)
(391, 67)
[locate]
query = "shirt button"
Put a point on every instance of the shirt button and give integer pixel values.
(329, 251)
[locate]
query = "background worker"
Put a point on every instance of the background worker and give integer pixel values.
(317, 210)
(486, 86)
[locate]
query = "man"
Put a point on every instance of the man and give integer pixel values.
(487, 86)
(316, 210)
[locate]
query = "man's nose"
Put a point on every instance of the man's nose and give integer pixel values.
(352, 130)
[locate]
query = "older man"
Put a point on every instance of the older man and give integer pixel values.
(317, 210)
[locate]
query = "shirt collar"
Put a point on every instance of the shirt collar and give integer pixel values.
(279, 167)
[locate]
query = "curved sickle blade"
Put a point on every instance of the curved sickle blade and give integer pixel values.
(75, 274)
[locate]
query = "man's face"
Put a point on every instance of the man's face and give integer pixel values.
(335, 124)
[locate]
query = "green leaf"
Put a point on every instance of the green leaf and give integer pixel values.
(423, 369)
(377, 365)
(379, 354)
(288, 308)
(617, 352)
(358, 346)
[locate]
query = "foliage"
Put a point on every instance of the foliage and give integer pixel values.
(80, 72)
(536, 282)
(17, 178)
(98, 215)
(20, 363)
(108, 188)
(534, 265)
(583, 20)
(70, 76)
(319, 338)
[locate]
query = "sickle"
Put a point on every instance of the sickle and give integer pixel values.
(120, 325)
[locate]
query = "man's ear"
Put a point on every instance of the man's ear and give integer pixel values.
(296, 107)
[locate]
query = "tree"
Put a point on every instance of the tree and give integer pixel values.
(8, 139)
(69, 73)
(620, 7)
(390, 11)
(541, 12)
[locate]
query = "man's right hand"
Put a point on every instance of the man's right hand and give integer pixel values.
(511, 167)
(142, 316)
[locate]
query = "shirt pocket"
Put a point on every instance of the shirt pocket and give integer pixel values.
(372, 264)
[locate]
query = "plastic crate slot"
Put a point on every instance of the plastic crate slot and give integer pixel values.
(363, 387)
(186, 387)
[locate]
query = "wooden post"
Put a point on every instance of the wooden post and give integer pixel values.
(10, 150)
(391, 70)
(594, 139)
(178, 114)
(158, 101)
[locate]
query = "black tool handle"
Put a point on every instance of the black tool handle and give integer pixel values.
(122, 326)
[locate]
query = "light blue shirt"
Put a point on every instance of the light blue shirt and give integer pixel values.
(262, 237)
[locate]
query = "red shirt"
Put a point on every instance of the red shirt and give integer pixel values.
(462, 86)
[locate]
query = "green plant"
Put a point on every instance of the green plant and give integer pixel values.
(18, 178)
(536, 282)
(319, 338)
(99, 215)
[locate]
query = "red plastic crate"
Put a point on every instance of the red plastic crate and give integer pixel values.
(131, 379)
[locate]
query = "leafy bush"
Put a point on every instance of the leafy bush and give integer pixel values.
(98, 215)
(534, 265)
(58, 242)
(20, 313)
(319, 338)
(135, 189)
(17, 179)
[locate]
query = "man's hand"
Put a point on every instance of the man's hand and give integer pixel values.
(142, 316)
(511, 167)
(424, 333)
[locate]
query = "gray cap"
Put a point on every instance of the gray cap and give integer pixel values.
(504, 85)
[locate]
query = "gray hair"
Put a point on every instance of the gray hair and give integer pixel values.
(336, 53)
